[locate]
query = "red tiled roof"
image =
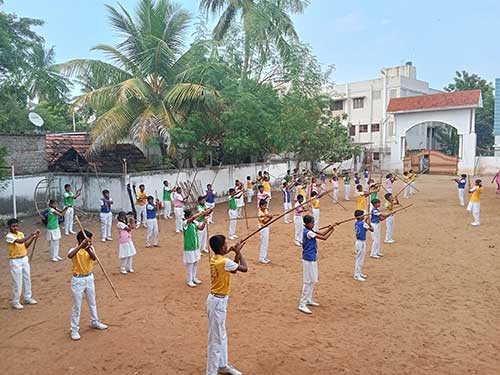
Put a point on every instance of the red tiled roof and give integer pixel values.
(57, 144)
(470, 98)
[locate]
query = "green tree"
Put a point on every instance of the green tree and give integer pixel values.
(484, 116)
(154, 93)
(266, 26)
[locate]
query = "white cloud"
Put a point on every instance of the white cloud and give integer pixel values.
(350, 23)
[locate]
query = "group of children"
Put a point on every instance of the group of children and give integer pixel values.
(475, 191)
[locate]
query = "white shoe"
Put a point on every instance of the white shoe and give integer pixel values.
(30, 301)
(196, 281)
(177, 231)
(66, 234)
(205, 251)
(475, 224)
(359, 278)
(364, 276)
(229, 370)
(17, 306)
(123, 272)
(312, 303)
(235, 236)
(375, 256)
(264, 261)
(305, 309)
(75, 335)
(72, 232)
(232, 237)
(103, 240)
(109, 239)
(55, 260)
(389, 241)
(298, 244)
(59, 258)
(98, 325)
(131, 270)
(191, 284)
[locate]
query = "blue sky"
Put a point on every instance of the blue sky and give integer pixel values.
(358, 36)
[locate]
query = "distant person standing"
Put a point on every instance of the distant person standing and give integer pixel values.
(140, 206)
(69, 201)
(461, 182)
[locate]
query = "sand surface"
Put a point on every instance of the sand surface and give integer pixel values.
(430, 306)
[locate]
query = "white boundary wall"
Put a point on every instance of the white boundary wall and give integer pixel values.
(116, 184)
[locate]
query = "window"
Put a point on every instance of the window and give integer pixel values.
(352, 130)
(363, 128)
(393, 93)
(377, 94)
(375, 128)
(376, 156)
(390, 128)
(337, 105)
(358, 103)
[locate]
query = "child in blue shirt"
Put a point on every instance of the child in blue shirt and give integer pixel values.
(310, 261)
(210, 202)
(375, 218)
(461, 182)
(151, 222)
(360, 228)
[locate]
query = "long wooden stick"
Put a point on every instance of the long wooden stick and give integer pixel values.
(245, 210)
(33, 249)
(247, 237)
(365, 215)
(192, 183)
(405, 182)
(98, 261)
(336, 201)
(216, 173)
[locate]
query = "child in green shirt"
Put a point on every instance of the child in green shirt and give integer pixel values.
(233, 212)
(191, 253)
(53, 231)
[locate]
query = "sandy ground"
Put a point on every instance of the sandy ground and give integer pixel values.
(430, 306)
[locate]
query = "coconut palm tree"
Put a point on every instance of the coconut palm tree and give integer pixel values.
(265, 24)
(43, 81)
(145, 89)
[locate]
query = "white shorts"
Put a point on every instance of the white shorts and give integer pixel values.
(310, 269)
(191, 256)
(53, 234)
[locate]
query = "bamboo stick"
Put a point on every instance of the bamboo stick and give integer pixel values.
(98, 261)
(247, 237)
(33, 249)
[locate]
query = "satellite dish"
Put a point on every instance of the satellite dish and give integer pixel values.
(91, 119)
(35, 119)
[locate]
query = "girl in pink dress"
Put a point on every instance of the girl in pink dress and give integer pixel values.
(496, 178)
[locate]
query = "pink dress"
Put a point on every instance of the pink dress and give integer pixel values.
(497, 180)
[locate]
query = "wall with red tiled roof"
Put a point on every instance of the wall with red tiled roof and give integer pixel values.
(470, 98)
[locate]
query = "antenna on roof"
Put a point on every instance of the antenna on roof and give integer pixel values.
(35, 119)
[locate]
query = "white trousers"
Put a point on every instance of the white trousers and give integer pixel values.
(167, 209)
(347, 192)
(141, 215)
(299, 228)
(211, 216)
(68, 220)
(152, 230)
(287, 207)
(376, 239)
(249, 196)
(79, 287)
(389, 226)
(461, 196)
(126, 263)
(264, 243)
(179, 215)
(307, 292)
(315, 212)
(192, 271)
(475, 208)
(106, 223)
(335, 195)
(202, 237)
(54, 248)
(217, 336)
(233, 215)
(412, 188)
(360, 257)
(20, 270)
(406, 191)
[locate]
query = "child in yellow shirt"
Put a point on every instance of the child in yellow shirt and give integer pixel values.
(315, 210)
(361, 198)
(83, 257)
(475, 202)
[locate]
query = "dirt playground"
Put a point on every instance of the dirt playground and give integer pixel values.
(431, 305)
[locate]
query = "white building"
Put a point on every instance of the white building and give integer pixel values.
(365, 103)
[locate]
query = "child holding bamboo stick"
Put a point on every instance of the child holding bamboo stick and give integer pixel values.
(140, 206)
(210, 202)
(151, 222)
(310, 261)
(17, 246)
(191, 253)
(264, 217)
(233, 213)
(202, 234)
(262, 195)
(167, 200)
(127, 250)
(53, 230)
(360, 228)
(287, 200)
(347, 186)
(297, 220)
(361, 198)
(474, 205)
(461, 182)
(390, 202)
(250, 192)
(83, 257)
(179, 202)
(315, 209)
(375, 218)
